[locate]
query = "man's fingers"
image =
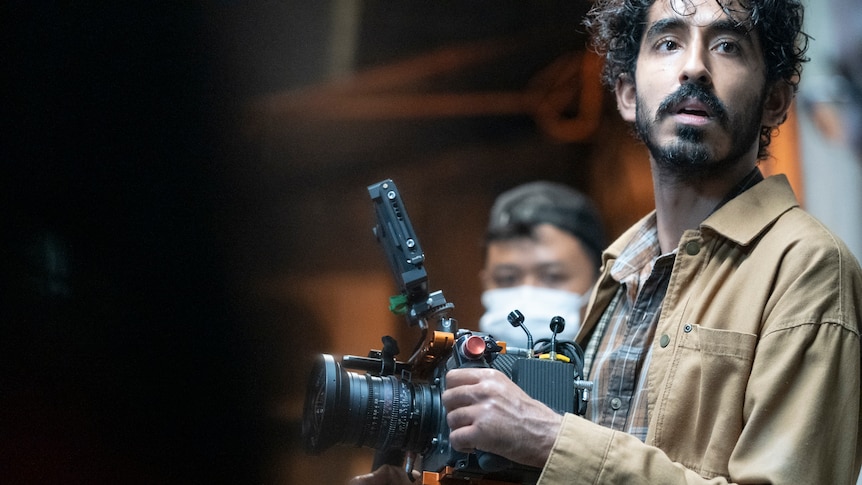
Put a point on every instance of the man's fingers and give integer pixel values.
(466, 376)
(458, 397)
(465, 387)
(458, 418)
(463, 439)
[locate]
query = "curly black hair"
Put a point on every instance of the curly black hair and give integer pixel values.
(616, 28)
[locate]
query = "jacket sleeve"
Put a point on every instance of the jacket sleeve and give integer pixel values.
(801, 423)
(588, 454)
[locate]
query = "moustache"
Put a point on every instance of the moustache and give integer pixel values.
(693, 91)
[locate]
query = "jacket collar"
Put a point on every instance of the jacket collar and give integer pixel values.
(741, 220)
(747, 216)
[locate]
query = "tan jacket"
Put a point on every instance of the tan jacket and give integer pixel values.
(755, 372)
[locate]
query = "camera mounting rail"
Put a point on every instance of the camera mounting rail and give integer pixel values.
(395, 233)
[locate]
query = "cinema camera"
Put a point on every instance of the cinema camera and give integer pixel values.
(395, 407)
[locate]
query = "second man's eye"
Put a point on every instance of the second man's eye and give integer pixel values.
(507, 280)
(554, 279)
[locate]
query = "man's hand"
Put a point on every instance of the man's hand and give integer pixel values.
(385, 475)
(486, 411)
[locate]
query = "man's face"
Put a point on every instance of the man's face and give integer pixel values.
(699, 88)
(552, 259)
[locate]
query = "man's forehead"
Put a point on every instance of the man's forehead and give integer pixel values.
(698, 11)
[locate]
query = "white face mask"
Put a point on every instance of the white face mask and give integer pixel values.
(539, 305)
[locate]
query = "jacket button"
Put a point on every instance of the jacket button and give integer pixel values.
(664, 341)
(687, 328)
(692, 248)
(616, 403)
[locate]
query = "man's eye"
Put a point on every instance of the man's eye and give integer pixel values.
(666, 45)
(554, 279)
(506, 281)
(728, 47)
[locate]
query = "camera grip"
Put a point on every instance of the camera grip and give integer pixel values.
(470, 351)
(491, 462)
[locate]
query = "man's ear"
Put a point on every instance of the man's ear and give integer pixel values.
(626, 97)
(777, 104)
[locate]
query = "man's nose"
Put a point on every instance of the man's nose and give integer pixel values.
(695, 68)
(531, 280)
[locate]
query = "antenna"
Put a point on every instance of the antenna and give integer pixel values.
(558, 323)
(516, 319)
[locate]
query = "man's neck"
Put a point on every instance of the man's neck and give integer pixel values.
(682, 204)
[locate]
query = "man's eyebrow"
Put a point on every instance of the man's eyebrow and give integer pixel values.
(731, 26)
(505, 267)
(664, 25)
(724, 25)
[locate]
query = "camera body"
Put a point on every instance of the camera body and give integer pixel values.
(395, 407)
(553, 383)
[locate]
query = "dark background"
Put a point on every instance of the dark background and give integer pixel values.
(123, 360)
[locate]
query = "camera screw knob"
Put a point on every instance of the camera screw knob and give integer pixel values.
(474, 347)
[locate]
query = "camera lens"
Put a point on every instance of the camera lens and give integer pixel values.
(384, 413)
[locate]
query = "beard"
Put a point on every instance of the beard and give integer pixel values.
(690, 156)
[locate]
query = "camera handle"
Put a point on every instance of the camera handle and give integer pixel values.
(470, 351)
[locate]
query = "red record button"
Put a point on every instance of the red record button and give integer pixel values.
(474, 347)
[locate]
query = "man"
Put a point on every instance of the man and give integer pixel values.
(748, 371)
(542, 256)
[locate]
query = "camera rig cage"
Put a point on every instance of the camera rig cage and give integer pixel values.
(394, 406)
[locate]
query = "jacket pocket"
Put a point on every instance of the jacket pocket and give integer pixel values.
(700, 418)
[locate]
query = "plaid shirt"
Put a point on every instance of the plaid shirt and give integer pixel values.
(619, 350)
(618, 353)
